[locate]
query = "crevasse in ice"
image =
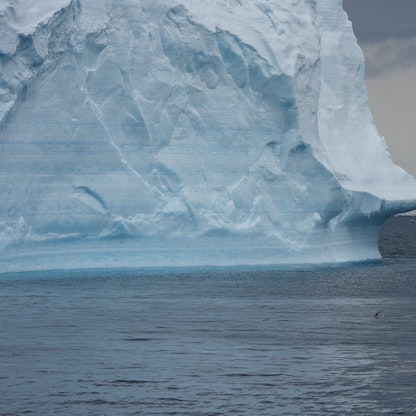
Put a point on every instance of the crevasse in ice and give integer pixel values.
(187, 132)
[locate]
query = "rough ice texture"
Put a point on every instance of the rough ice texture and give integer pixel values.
(187, 132)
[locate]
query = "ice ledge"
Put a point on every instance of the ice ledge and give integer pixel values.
(356, 242)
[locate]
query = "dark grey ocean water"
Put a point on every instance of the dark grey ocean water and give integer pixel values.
(329, 340)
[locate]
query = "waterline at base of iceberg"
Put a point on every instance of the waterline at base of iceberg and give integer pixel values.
(321, 246)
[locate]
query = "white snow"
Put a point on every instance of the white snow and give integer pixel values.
(231, 131)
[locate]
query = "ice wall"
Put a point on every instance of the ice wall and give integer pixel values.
(187, 133)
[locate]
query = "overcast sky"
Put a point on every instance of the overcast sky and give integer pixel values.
(386, 31)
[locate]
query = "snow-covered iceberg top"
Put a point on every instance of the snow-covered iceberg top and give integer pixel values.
(184, 132)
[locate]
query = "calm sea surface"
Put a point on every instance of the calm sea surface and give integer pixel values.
(330, 340)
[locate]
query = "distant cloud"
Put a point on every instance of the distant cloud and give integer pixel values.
(389, 55)
(386, 31)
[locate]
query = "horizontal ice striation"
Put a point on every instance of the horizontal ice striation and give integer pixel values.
(193, 132)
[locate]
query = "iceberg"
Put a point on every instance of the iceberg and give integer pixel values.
(186, 132)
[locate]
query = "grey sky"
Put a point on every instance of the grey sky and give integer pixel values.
(386, 31)
(378, 20)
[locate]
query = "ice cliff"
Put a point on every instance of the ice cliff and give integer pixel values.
(183, 132)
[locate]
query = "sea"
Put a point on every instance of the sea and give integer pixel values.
(294, 340)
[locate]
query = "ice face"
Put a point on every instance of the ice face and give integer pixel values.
(234, 132)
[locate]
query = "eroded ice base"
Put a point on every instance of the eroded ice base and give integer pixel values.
(354, 243)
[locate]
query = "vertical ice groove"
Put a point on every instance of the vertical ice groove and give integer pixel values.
(119, 153)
